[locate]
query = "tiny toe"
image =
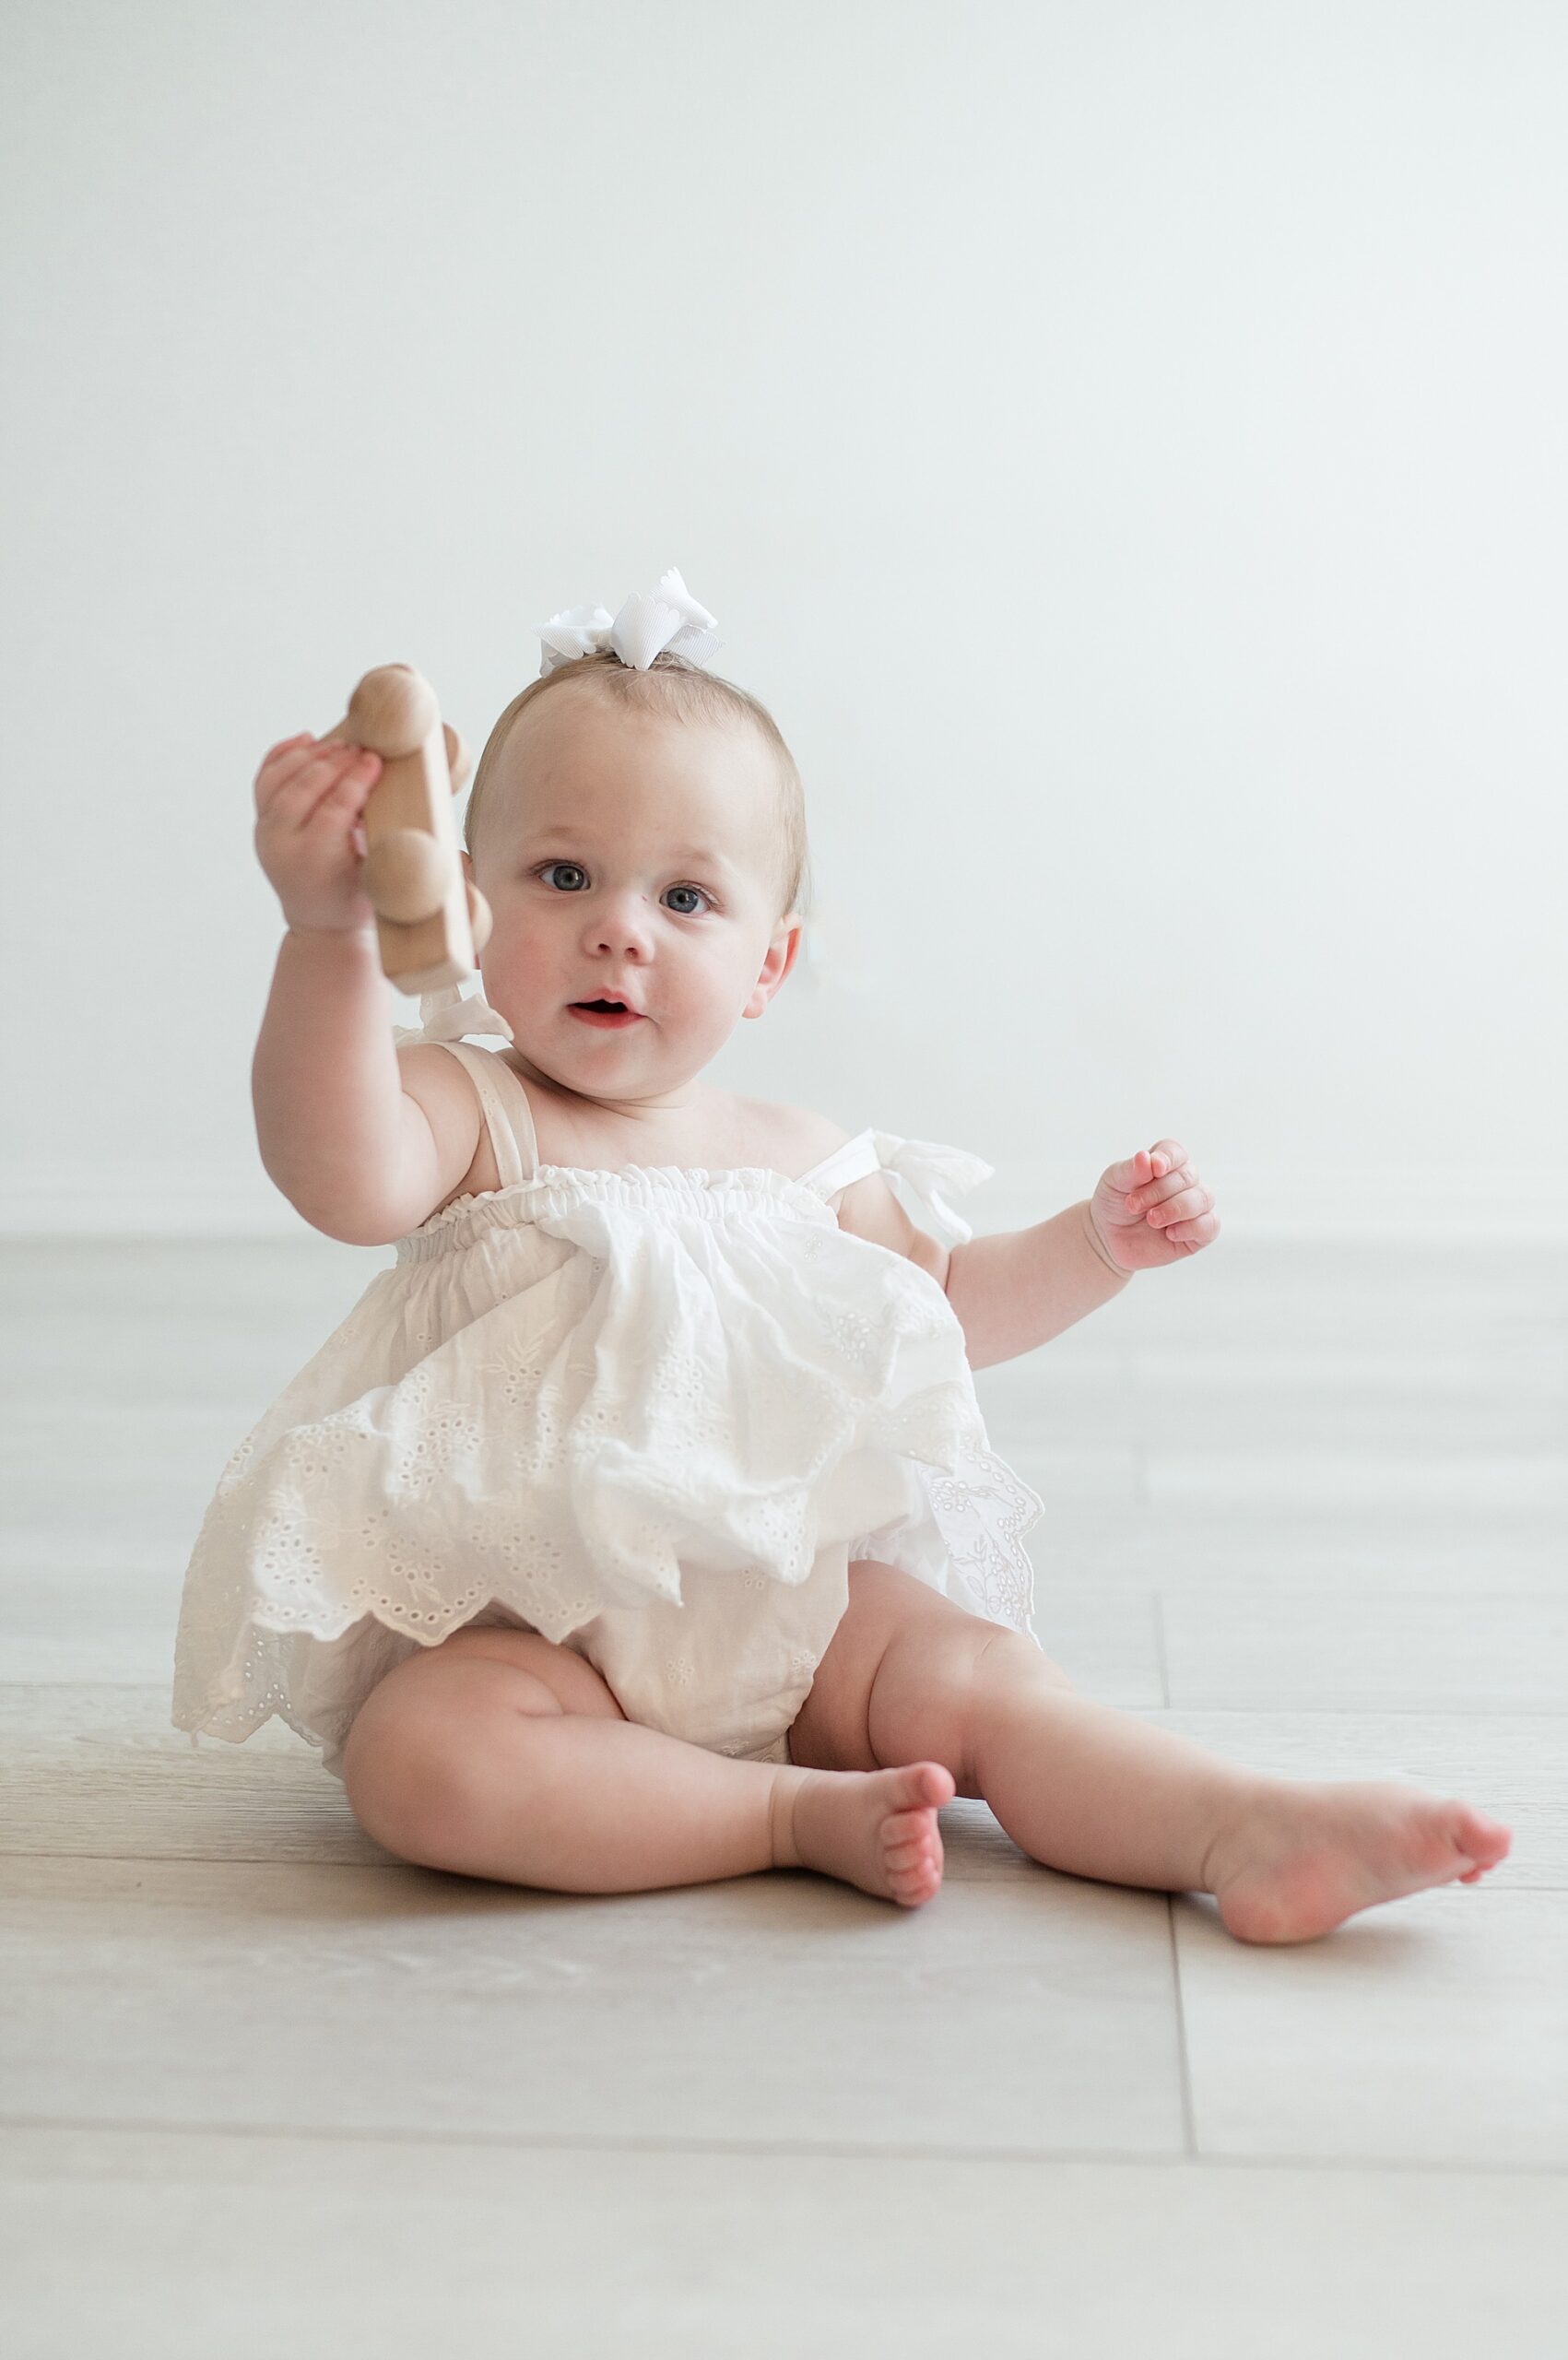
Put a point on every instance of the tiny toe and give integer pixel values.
(1483, 1839)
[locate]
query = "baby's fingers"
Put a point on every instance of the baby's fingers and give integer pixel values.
(1187, 1202)
(283, 769)
(330, 774)
(1201, 1232)
(301, 738)
(1161, 1191)
(280, 762)
(1130, 1175)
(349, 790)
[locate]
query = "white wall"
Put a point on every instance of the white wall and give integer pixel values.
(1124, 446)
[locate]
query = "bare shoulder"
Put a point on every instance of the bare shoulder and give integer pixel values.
(441, 1085)
(866, 1207)
(801, 1136)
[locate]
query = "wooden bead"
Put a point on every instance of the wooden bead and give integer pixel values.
(406, 875)
(393, 711)
(459, 761)
(413, 863)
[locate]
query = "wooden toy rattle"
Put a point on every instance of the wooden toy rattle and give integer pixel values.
(430, 921)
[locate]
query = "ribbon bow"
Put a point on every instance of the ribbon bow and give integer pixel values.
(445, 1015)
(924, 1167)
(670, 617)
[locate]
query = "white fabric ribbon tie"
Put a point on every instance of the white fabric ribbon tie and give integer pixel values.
(445, 1015)
(670, 617)
(925, 1168)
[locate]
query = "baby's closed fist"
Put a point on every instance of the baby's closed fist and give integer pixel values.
(1152, 1210)
(311, 795)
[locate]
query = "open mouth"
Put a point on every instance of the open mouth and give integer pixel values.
(610, 1013)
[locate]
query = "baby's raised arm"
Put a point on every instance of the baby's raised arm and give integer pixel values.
(354, 1153)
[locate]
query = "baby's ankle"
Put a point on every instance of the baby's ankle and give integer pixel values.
(1249, 1811)
(789, 1780)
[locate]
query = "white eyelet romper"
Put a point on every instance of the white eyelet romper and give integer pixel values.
(654, 1413)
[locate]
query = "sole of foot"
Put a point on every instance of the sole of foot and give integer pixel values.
(876, 1829)
(1314, 1855)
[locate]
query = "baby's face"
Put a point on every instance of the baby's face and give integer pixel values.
(626, 856)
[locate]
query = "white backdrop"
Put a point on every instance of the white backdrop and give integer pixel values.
(1124, 445)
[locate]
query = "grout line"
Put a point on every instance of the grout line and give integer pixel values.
(1158, 1601)
(781, 2150)
(952, 1874)
(1189, 2127)
(1369, 1712)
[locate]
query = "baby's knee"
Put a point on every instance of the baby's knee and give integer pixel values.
(571, 1678)
(1008, 1659)
(417, 1762)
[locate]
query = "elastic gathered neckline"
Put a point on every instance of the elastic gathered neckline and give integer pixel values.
(554, 1186)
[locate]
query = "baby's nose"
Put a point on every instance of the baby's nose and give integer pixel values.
(624, 925)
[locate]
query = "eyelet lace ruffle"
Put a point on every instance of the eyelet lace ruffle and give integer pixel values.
(594, 1396)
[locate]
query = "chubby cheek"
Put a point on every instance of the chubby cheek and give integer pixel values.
(723, 988)
(700, 974)
(524, 961)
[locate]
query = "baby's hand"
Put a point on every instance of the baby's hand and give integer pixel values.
(310, 795)
(1153, 1209)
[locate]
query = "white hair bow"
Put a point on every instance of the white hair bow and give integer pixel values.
(670, 617)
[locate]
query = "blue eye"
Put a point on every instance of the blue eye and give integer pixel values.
(579, 869)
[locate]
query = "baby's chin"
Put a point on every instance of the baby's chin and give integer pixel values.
(582, 1058)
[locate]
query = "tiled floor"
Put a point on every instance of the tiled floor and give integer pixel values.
(264, 2089)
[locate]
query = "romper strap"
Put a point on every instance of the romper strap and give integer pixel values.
(850, 1161)
(446, 1016)
(514, 1099)
(508, 1118)
(924, 1169)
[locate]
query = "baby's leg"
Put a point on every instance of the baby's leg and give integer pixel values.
(500, 1755)
(1105, 1794)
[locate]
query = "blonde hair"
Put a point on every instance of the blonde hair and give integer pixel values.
(693, 694)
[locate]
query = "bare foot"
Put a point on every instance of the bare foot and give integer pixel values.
(1306, 1856)
(873, 1828)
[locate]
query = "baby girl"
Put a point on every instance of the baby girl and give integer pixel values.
(640, 1525)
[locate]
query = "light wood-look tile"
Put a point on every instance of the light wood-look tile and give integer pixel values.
(204, 2240)
(66, 1624)
(1508, 1482)
(1305, 1503)
(1349, 1649)
(1433, 2031)
(91, 1768)
(1027, 2015)
(1249, 1546)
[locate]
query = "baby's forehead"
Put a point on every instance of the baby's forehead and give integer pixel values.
(696, 785)
(582, 726)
